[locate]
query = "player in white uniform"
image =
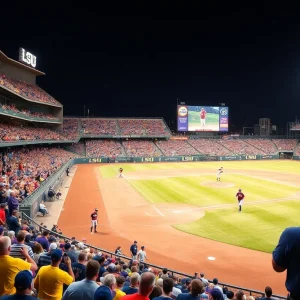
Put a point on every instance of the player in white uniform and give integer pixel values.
(220, 171)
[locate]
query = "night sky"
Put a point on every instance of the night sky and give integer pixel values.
(135, 61)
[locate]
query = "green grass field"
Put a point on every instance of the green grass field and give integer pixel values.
(211, 119)
(257, 227)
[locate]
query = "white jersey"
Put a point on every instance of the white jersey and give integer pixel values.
(219, 172)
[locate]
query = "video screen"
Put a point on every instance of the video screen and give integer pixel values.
(202, 118)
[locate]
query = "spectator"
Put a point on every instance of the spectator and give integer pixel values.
(11, 235)
(195, 291)
(146, 286)
(216, 285)
(13, 222)
(268, 294)
(230, 295)
(45, 257)
(10, 266)
(70, 252)
(37, 251)
(133, 250)
(2, 214)
(43, 240)
(13, 203)
(134, 283)
(23, 283)
(286, 257)
(86, 288)
(120, 280)
(164, 273)
(203, 279)
(168, 285)
(156, 292)
(104, 292)
(216, 294)
(142, 255)
(79, 267)
(15, 250)
(43, 209)
(187, 286)
(50, 279)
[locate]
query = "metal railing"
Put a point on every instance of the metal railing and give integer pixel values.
(173, 272)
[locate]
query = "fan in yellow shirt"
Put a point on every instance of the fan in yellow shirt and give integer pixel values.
(10, 266)
(120, 283)
(50, 279)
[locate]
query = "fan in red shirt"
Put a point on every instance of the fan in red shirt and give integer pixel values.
(240, 197)
(202, 117)
(94, 217)
(2, 214)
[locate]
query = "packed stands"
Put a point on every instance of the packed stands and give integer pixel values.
(267, 146)
(135, 148)
(176, 147)
(209, 147)
(27, 90)
(26, 112)
(285, 144)
(99, 126)
(239, 147)
(70, 128)
(143, 127)
(9, 133)
(103, 148)
(78, 148)
(26, 168)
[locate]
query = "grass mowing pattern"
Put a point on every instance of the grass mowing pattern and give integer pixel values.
(258, 227)
(189, 190)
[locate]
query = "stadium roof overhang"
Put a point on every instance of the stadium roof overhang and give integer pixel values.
(19, 65)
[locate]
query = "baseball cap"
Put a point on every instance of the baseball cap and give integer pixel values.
(188, 281)
(56, 254)
(52, 246)
(216, 294)
(23, 280)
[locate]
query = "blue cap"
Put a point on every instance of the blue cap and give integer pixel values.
(56, 254)
(216, 294)
(23, 280)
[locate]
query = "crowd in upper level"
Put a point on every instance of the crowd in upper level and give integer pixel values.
(12, 108)
(70, 128)
(99, 126)
(27, 90)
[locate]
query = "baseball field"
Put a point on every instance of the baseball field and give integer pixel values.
(186, 219)
(271, 203)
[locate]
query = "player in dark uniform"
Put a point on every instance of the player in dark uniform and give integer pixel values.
(94, 218)
(240, 197)
(120, 171)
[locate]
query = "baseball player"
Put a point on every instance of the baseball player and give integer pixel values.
(94, 218)
(240, 197)
(202, 117)
(120, 171)
(219, 172)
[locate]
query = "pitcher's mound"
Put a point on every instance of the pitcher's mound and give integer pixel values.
(217, 184)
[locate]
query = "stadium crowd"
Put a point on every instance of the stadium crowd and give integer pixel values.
(240, 147)
(70, 128)
(176, 147)
(285, 144)
(135, 148)
(24, 169)
(13, 109)
(209, 147)
(99, 126)
(10, 132)
(107, 148)
(27, 90)
(44, 265)
(143, 127)
(267, 146)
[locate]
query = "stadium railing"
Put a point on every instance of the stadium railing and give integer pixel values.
(173, 272)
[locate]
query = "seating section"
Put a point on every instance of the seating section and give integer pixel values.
(78, 148)
(10, 133)
(143, 127)
(239, 147)
(99, 126)
(70, 128)
(27, 90)
(28, 167)
(103, 148)
(209, 147)
(267, 146)
(26, 112)
(296, 127)
(285, 144)
(135, 148)
(176, 147)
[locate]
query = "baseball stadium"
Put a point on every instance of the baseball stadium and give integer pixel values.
(58, 169)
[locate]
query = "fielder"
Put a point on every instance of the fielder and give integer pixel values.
(94, 217)
(240, 197)
(220, 171)
(120, 171)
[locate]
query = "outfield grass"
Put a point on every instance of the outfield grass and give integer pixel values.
(257, 227)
